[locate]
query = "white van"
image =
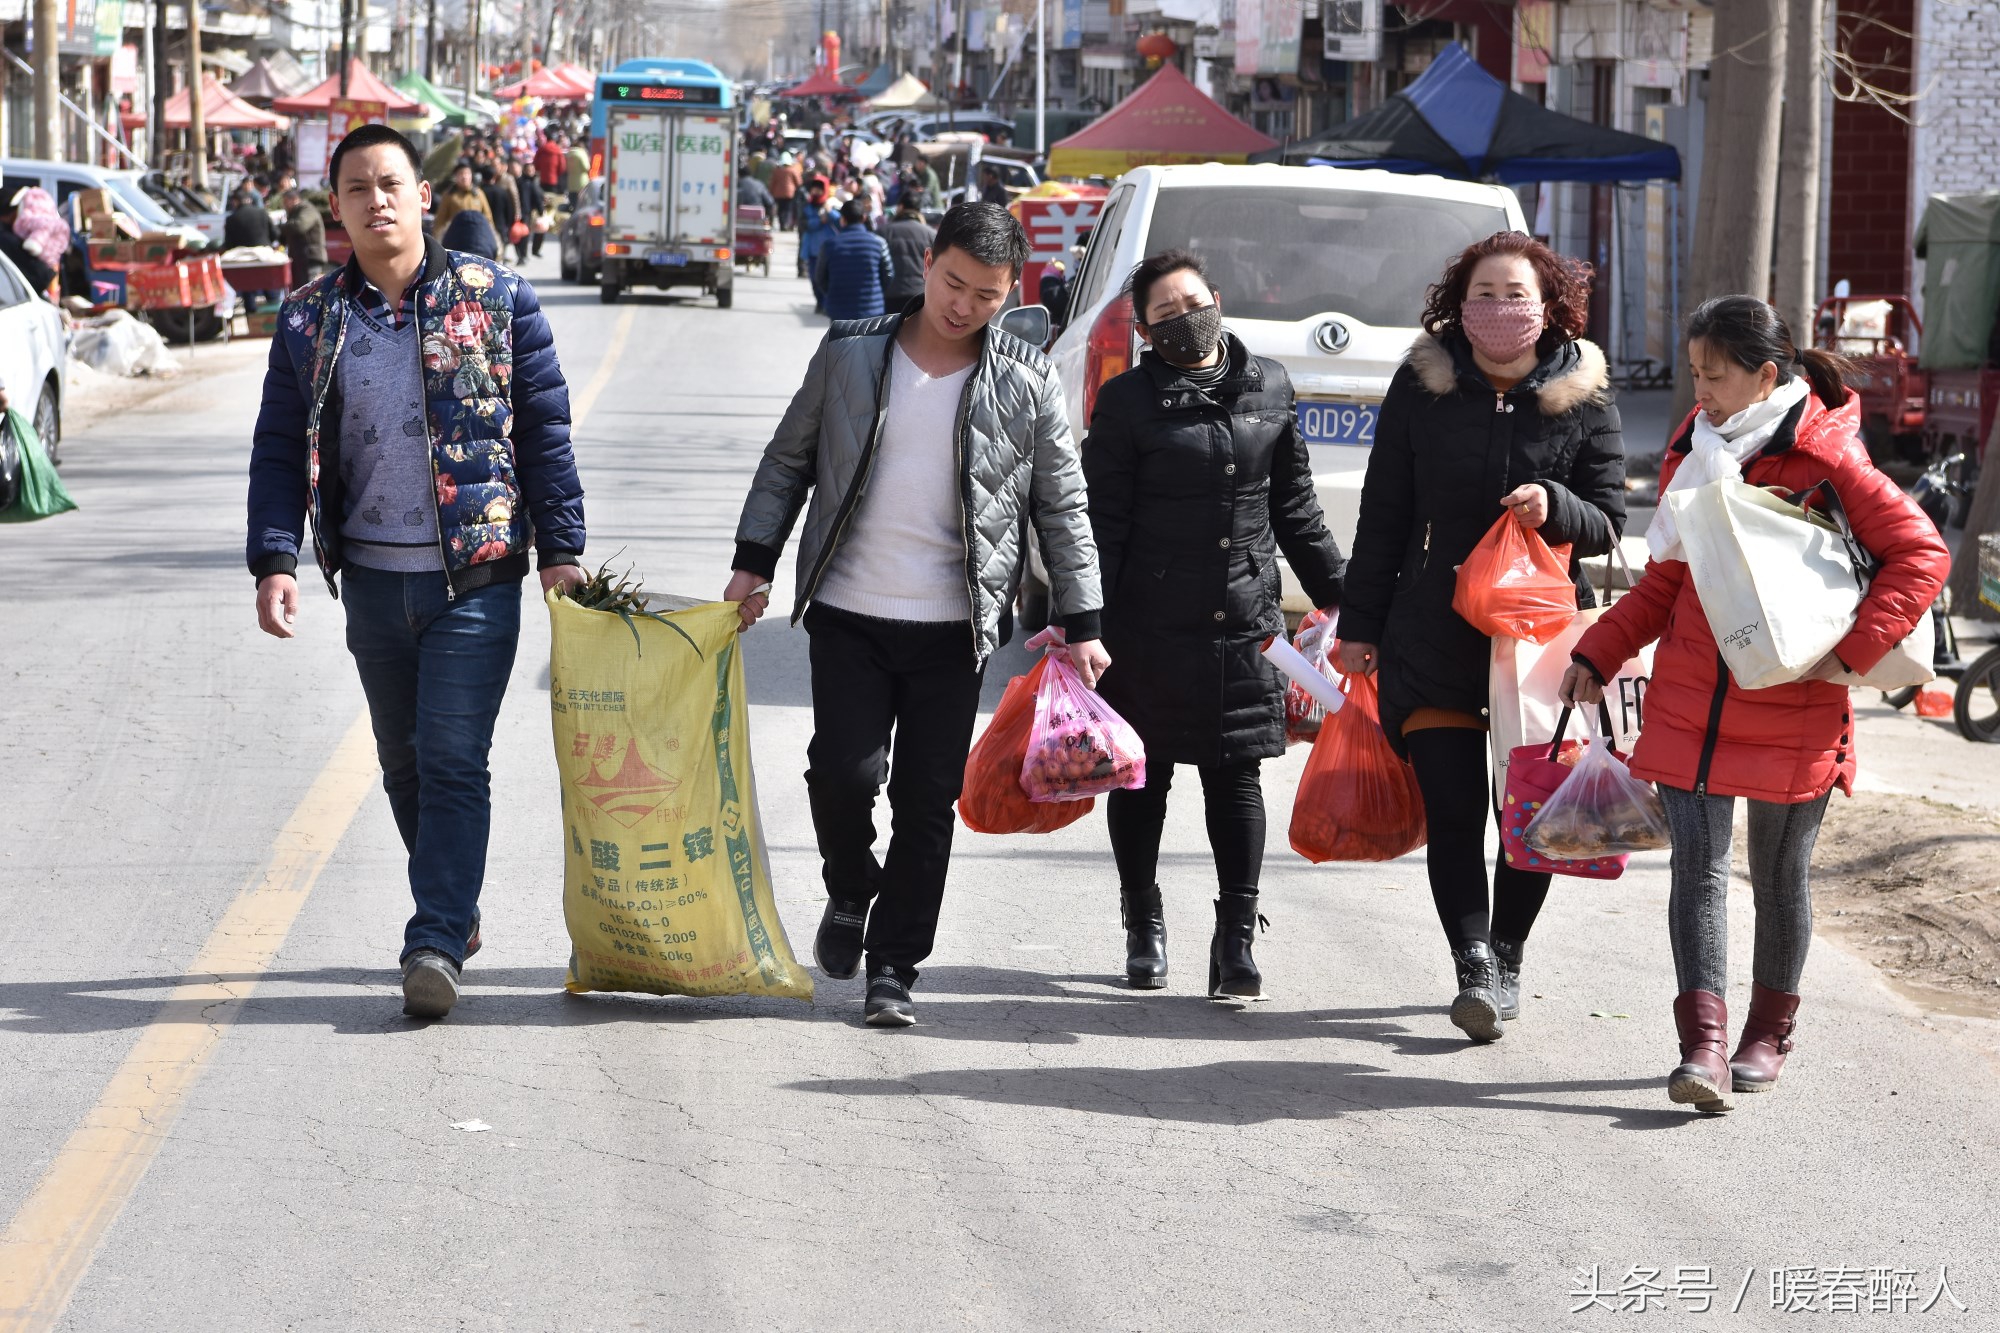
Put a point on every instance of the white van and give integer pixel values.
(1322, 269)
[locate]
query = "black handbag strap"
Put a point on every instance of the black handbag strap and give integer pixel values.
(1829, 506)
(1562, 726)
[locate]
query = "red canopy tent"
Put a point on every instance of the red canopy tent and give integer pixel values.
(1166, 119)
(821, 84)
(362, 86)
(547, 84)
(221, 109)
(577, 75)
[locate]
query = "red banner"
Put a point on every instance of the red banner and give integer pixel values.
(1053, 226)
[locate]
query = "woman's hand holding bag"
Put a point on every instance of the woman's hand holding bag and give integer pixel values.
(1516, 584)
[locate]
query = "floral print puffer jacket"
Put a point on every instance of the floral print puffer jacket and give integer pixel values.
(496, 405)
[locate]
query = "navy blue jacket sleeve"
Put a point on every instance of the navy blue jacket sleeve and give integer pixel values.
(278, 490)
(542, 457)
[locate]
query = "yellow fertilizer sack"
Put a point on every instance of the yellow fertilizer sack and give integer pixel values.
(666, 887)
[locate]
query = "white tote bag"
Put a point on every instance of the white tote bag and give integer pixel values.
(1779, 584)
(1522, 703)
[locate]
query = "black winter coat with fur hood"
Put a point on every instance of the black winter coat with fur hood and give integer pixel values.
(1447, 447)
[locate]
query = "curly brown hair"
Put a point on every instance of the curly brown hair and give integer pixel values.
(1565, 284)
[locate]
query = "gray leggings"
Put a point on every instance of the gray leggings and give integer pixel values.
(1781, 843)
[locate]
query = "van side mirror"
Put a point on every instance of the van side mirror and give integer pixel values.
(1029, 323)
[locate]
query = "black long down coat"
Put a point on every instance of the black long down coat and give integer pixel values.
(1447, 447)
(1192, 495)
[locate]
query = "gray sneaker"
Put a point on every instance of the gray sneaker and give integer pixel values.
(430, 984)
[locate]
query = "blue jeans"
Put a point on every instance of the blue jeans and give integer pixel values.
(434, 671)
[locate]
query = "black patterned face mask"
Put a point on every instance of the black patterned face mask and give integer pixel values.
(1188, 339)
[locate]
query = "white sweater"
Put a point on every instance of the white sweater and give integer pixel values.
(904, 554)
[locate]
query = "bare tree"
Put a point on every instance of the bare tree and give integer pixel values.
(1737, 210)
(1797, 287)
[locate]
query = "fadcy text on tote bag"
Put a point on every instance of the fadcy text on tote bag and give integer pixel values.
(1778, 583)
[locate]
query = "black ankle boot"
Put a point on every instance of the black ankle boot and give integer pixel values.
(1507, 960)
(1145, 937)
(1476, 1009)
(1232, 972)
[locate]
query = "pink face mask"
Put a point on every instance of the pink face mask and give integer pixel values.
(1502, 331)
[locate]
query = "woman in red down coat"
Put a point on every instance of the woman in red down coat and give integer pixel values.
(1788, 421)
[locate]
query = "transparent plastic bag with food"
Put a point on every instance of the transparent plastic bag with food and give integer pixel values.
(1599, 810)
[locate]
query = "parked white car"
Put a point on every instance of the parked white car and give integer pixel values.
(34, 369)
(1322, 269)
(63, 179)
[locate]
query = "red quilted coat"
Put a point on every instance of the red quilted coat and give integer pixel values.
(1785, 743)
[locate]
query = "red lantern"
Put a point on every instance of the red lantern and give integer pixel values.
(1157, 47)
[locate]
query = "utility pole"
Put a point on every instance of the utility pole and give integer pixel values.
(48, 83)
(1042, 76)
(197, 120)
(163, 79)
(346, 26)
(431, 40)
(472, 53)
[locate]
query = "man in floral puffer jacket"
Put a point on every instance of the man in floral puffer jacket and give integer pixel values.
(415, 413)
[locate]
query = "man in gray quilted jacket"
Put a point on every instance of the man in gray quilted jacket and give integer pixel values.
(927, 443)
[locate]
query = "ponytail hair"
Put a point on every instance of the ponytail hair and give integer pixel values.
(1750, 333)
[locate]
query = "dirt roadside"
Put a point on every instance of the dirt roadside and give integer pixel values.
(94, 397)
(1913, 885)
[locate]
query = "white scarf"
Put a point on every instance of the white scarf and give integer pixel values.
(1721, 451)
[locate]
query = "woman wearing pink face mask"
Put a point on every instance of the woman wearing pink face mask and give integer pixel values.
(1499, 405)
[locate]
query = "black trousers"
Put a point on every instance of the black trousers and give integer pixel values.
(1233, 800)
(1458, 795)
(878, 683)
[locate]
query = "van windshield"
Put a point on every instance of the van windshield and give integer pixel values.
(142, 205)
(1284, 253)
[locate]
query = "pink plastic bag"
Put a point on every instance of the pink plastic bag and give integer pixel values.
(1079, 747)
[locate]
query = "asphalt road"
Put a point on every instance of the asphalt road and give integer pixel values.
(213, 1115)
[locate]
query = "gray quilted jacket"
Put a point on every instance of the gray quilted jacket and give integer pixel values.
(1017, 463)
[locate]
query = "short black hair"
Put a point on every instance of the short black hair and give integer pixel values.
(1152, 268)
(987, 232)
(854, 212)
(371, 136)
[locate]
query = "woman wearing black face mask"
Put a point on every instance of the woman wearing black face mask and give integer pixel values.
(1197, 479)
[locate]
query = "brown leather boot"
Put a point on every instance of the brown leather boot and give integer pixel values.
(1767, 1040)
(1702, 1080)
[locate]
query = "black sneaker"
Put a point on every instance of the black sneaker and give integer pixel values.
(837, 947)
(472, 941)
(889, 1003)
(430, 984)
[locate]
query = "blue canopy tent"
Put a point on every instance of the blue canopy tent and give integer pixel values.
(1458, 120)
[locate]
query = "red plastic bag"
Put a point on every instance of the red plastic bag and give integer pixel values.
(1516, 584)
(992, 800)
(1079, 747)
(1315, 642)
(1357, 801)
